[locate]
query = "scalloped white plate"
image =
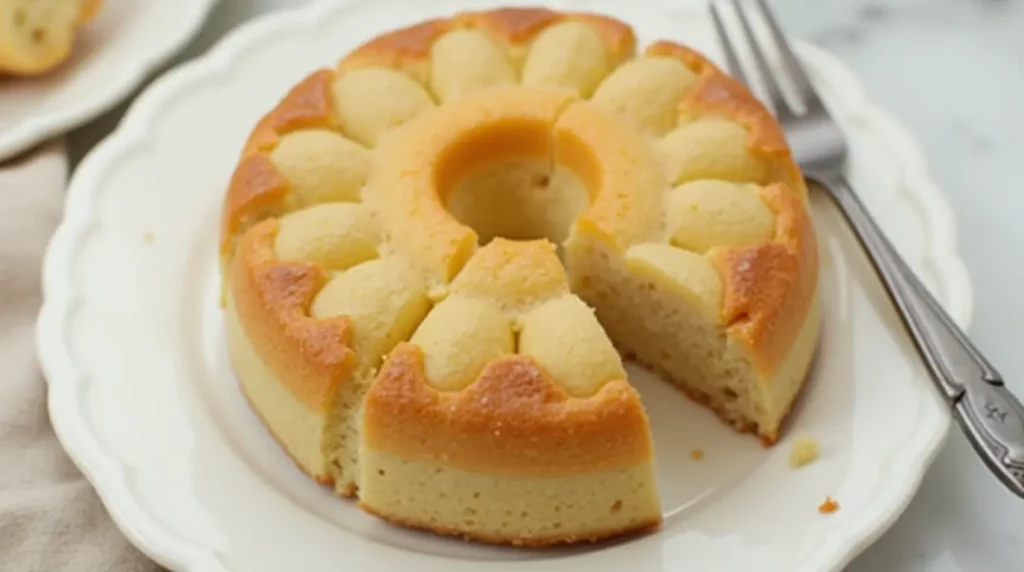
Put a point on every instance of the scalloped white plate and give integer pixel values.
(112, 55)
(141, 395)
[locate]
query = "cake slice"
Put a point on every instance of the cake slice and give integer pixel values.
(37, 35)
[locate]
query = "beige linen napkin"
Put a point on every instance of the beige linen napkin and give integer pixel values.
(50, 517)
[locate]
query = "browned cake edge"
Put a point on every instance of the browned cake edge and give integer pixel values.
(312, 357)
(512, 419)
(408, 49)
(769, 288)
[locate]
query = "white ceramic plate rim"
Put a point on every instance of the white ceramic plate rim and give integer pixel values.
(138, 63)
(108, 474)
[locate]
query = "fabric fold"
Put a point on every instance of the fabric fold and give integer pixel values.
(50, 517)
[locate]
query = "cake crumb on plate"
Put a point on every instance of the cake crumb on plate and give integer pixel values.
(697, 454)
(804, 452)
(829, 506)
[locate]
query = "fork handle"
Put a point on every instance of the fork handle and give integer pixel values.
(989, 415)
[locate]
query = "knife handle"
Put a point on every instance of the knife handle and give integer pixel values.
(990, 416)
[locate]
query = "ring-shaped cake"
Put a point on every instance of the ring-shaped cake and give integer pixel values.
(437, 254)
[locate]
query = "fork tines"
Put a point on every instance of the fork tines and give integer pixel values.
(791, 69)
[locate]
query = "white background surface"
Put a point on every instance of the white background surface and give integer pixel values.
(950, 69)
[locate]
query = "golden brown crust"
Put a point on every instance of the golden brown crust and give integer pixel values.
(718, 94)
(311, 357)
(532, 542)
(692, 59)
(307, 105)
(618, 37)
(519, 26)
(256, 190)
(408, 49)
(405, 49)
(723, 95)
(769, 288)
(89, 10)
(513, 419)
(512, 26)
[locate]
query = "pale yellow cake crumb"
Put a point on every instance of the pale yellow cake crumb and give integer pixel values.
(148, 236)
(804, 452)
(697, 454)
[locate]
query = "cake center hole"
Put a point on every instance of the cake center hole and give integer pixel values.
(519, 199)
(503, 181)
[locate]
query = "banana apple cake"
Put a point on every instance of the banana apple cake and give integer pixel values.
(437, 254)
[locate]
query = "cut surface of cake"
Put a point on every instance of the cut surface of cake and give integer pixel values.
(437, 254)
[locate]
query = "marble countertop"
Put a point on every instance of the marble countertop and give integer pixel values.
(950, 69)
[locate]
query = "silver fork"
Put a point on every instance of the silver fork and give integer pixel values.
(990, 416)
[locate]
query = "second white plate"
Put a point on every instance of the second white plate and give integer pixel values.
(111, 56)
(144, 400)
